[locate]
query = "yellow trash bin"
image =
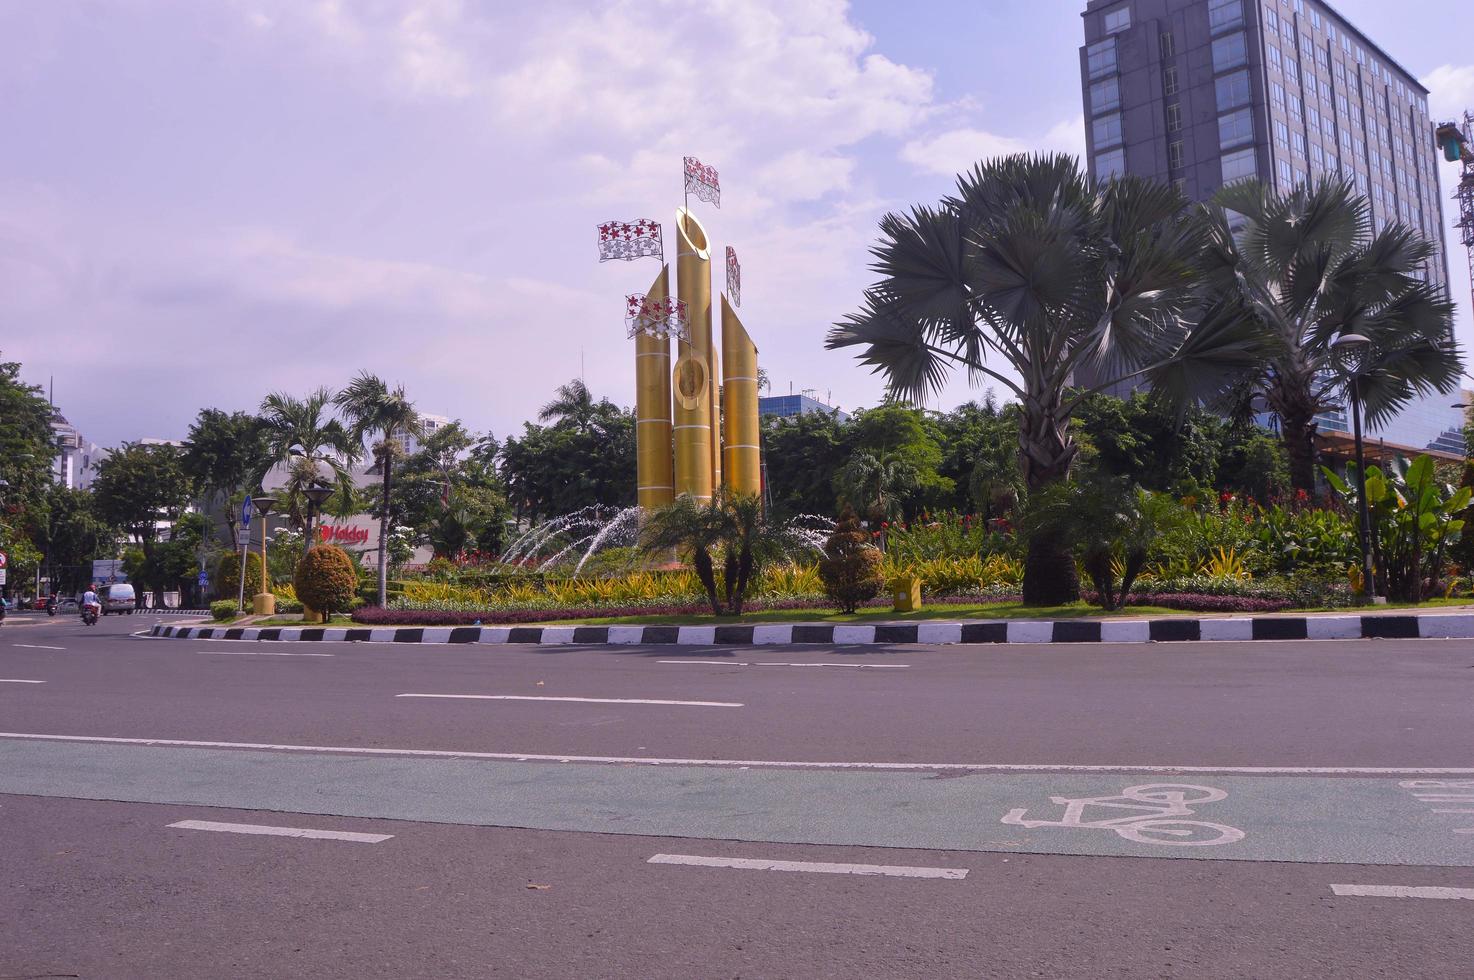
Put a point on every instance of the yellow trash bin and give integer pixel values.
(906, 593)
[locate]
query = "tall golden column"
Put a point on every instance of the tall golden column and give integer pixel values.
(741, 453)
(655, 483)
(694, 379)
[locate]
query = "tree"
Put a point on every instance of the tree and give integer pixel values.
(850, 568)
(301, 436)
(1059, 279)
(802, 454)
(731, 525)
(226, 455)
(74, 536)
(573, 405)
(375, 409)
(574, 463)
(1306, 269)
(980, 455)
(876, 483)
(139, 488)
(909, 438)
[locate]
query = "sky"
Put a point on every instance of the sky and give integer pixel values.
(202, 201)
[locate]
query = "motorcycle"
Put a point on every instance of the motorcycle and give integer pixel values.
(89, 615)
(51, 606)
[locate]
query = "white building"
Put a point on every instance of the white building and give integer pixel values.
(76, 462)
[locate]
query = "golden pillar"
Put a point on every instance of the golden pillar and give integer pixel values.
(740, 454)
(694, 380)
(655, 483)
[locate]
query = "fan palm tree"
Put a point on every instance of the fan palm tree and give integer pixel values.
(574, 403)
(1069, 285)
(303, 437)
(374, 409)
(876, 483)
(1307, 268)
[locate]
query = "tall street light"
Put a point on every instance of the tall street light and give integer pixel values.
(264, 604)
(1354, 344)
(317, 494)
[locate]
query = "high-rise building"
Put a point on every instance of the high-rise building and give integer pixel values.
(1200, 93)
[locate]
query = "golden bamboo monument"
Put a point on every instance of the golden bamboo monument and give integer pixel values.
(655, 479)
(694, 379)
(741, 453)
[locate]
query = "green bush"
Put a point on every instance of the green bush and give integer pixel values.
(228, 577)
(326, 579)
(851, 566)
(223, 609)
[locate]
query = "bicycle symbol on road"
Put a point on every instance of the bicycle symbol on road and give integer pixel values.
(1157, 806)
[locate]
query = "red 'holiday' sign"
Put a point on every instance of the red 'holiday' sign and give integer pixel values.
(333, 534)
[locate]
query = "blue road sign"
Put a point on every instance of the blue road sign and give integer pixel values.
(204, 580)
(246, 512)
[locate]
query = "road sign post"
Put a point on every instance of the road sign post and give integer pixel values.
(240, 601)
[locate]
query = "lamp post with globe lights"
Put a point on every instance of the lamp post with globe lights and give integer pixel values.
(264, 603)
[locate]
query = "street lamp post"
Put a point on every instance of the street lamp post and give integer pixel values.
(264, 603)
(316, 495)
(1353, 342)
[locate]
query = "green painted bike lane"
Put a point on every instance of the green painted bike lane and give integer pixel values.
(1413, 820)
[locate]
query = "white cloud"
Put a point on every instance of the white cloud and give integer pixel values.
(1450, 91)
(956, 150)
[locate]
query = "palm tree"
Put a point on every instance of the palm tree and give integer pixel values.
(301, 436)
(1074, 285)
(876, 483)
(574, 403)
(731, 525)
(373, 408)
(1307, 268)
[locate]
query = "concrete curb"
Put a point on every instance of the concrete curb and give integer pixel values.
(1409, 627)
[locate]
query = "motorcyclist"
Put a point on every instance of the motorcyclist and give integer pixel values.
(51, 604)
(90, 600)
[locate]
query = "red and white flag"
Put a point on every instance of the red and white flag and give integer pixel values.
(734, 277)
(702, 182)
(629, 240)
(661, 317)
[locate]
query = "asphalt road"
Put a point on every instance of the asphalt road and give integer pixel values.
(1264, 809)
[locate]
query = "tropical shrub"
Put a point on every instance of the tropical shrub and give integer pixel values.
(326, 579)
(224, 609)
(228, 576)
(731, 526)
(851, 567)
(1413, 522)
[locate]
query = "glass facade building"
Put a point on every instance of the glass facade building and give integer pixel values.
(1200, 93)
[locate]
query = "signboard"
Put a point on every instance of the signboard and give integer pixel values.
(246, 512)
(3, 559)
(2, 576)
(342, 535)
(108, 570)
(204, 580)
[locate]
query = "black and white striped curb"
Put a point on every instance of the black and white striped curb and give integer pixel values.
(1455, 626)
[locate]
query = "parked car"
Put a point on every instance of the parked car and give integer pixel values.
(117, 598)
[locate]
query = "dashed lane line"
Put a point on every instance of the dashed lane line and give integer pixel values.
(36, 646)
(251, 828)
(257, 653)
(1402, 891)
(817, 867)
(11, 680)
(530, 697)
(742, 663)
(757, 763)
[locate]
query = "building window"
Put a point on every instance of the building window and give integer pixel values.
(1285, 175)
(1110, 164)
(1323, 59)
(1235, 128)
(1313, 116)
(1328, 128)
(1281, 135)
(1229, 51)
(1223, 14)
(1317, 157)
(1107, 130)
(1174, 117)
(1100, 58)
(1341, 104)
(1169, 80)
(1169, 49)
(1325, 89)
(1174, 155)
(1271, 19)
(1292, 70)
(1274, 55)
(1117, 20)
(1296, 107)
(1239, 165)
(1276, 94)
(1315, 19)
(1340, 72)
(1105, 96)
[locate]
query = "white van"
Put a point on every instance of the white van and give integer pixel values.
(118, 597)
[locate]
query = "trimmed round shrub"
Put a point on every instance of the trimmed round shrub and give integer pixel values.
(223, 609)
(850, 569)
(326, 579)
(228, 579)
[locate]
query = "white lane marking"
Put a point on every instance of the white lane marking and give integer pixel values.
(714, 663)
(529, 697)
(35, 646)
(10, 680)
(252, 828)
(749, 763)
(740, 663)
(257, 653)
(1402, 891)
(819, 867)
